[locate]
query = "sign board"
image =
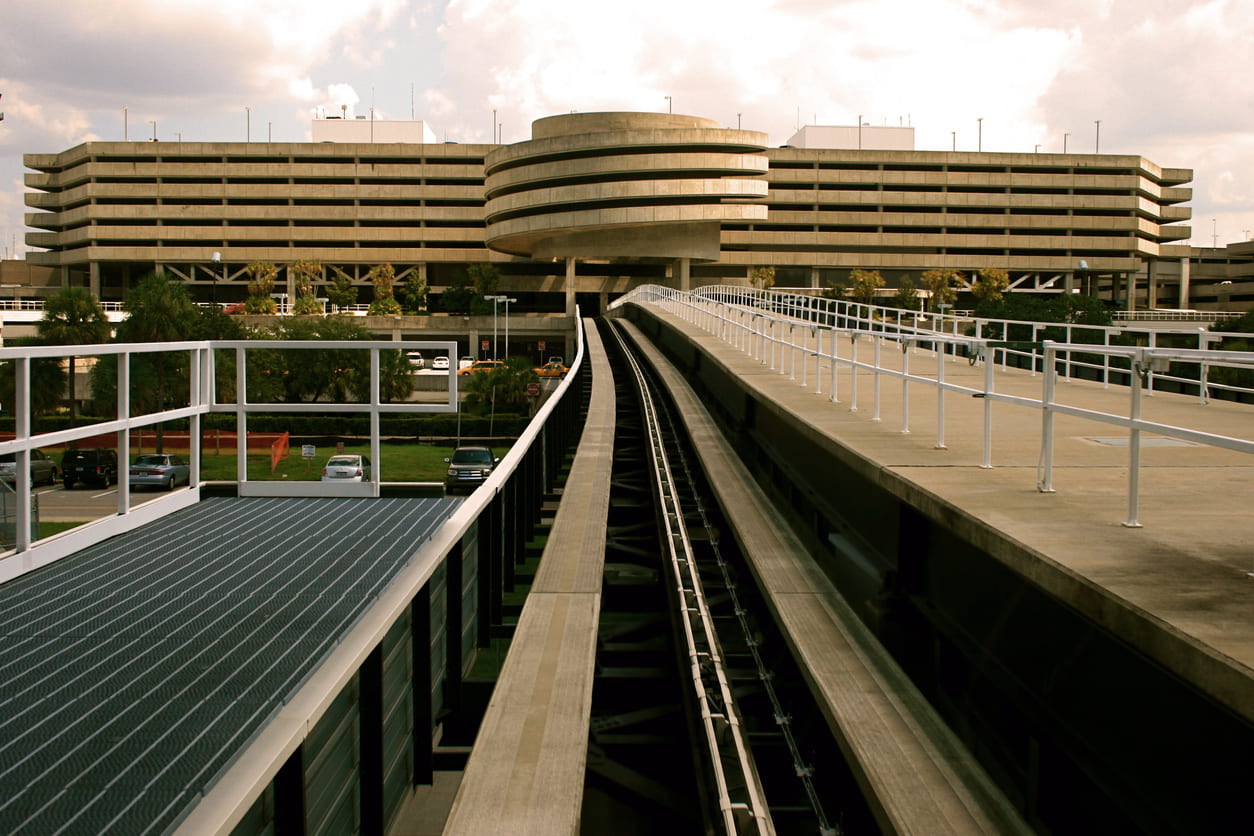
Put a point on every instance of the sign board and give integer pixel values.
(483, 345)
(542, 345)
(533, 389)
(308, 451)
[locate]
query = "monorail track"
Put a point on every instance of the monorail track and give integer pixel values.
(744, 707)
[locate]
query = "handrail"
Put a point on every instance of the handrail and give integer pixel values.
(762, 324)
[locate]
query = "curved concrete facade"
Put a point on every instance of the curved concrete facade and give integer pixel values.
(623, 185)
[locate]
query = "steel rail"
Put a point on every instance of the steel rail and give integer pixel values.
(730, 760)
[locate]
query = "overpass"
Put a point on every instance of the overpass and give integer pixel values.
(947, 542)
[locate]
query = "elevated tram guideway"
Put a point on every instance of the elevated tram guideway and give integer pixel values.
(1054, 548)
(919, 577)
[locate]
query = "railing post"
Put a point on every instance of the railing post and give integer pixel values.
(1149, 374)
(792, 351)
(853, 371)
(1140, 365)
(905, 389)
(805, 365)
(940, 398)
(989, 366)
(834, 358)
(1106, 361)
(1046, 482)
(818, 360)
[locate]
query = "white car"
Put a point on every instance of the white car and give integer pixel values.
(465, 361)
(346, 467)
(440, 363)
(416, 359)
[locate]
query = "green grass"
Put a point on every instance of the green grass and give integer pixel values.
(399, 463)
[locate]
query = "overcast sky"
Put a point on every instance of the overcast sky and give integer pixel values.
(1168, 79)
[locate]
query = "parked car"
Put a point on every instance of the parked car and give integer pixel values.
(468, 468)
(440, 363)
(481, 366)
(558, 360)
(159, 470)
(551, 369)
(43, 470)
(464, 362)
(94, 465)
(346, 467)
(416, 359)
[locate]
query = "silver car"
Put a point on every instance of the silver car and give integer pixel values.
(43, 470)
(346, 467)
(159, 470)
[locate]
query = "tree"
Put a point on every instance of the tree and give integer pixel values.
(340, 374)
(484, 278)
(864, 284)
(501, 390)
(341, 292)
(382, 276)
(943, 286)
(304, 274)
(72, 316)
(261, 275)
(834, 290)
(459, 298)
(907, 297)
(45, 396)
(762, 278)
(989, 284)
(413, 292)
(157, 310)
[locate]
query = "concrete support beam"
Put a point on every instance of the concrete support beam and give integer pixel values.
(570, 287)
(1184, 283)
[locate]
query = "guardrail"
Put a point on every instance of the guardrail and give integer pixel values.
(785, 327)
(200, 381)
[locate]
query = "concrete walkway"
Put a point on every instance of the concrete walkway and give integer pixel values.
(1177, 588)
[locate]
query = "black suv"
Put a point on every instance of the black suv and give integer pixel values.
(468, 469)
(92, 464)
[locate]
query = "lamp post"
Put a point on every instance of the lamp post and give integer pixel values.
(669, 103)
(507, 301)
(248, 124)
(1064, 142)
(216, 258)
(979, 137)
(1097, 137)
(125, 132)
(495, 300)
(153, 122)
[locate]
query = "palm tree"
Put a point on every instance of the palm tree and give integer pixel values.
(72, 316)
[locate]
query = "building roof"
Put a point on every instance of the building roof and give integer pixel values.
(133, 671)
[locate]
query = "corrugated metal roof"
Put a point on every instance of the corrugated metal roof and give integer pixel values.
(133, 671)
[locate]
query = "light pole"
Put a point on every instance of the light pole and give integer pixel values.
(953, 135)
(1064, 142)
(125, 131)
(669, 103)
(495, 300)
(248, 124)
(507, 301)
(859, 131)
(1097, 138)
(153, 122)
(979, 137)
(216, 258)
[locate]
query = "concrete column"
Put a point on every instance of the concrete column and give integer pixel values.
(93, 282)
(1151, 288)
(684, 279)
(570, 287)
(814, 278)
(1184, 283)
(1130, 278)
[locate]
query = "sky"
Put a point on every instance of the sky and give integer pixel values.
(1167, 79)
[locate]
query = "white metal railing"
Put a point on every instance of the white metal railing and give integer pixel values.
(778, 330)
(202, 398)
